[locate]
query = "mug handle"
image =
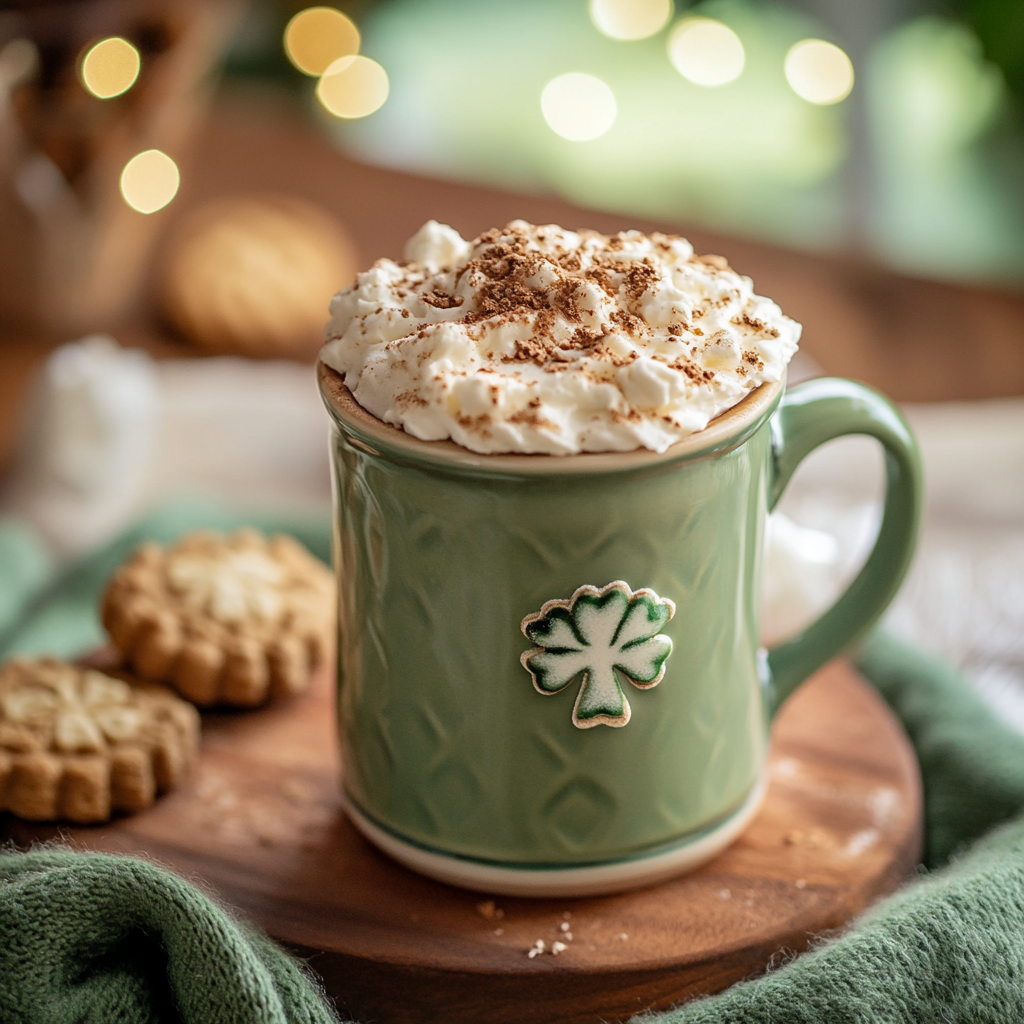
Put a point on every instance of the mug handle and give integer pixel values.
(809, 415)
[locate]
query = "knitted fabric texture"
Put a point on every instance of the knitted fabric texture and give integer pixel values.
(89, 938)
(94, 939)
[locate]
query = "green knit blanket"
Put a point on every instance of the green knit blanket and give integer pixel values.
(89, 938)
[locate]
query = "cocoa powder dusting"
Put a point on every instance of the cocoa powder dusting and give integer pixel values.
(503, 291)
(504, 275)
(640, 276)
(439, 300)
(406, 398)
(632, 325)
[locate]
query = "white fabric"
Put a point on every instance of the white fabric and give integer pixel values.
(110, 432)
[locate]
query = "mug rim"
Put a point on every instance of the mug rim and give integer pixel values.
(725, 432)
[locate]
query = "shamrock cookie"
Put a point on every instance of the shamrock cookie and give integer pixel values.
(225, 620)
(77, 744)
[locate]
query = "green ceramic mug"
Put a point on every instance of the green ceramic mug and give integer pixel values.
(549, 675)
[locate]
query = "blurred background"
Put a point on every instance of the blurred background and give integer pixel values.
(185, 183)
(890, 128)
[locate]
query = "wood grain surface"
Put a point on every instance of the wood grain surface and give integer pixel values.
(259, 822)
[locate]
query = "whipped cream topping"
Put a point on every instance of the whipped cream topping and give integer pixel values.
(536, 339)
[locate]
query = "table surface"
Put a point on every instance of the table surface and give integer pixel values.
(917, 340)
(260, 821)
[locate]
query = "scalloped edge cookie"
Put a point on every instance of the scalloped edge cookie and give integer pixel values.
(77, 744)
(225, 619)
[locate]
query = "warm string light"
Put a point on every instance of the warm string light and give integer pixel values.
(629, 20)
(324, 43)
(578, 107)
(149, 181)
(318, 36)
(819, 72)
(706, 52)
(353, 87)
(110, 67)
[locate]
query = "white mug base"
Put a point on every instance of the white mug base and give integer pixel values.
(590, 880)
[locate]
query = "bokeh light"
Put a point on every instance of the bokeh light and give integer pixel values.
(819, 72)
(630, 19)
(353, 87)
(578, 107)
(149, 181)
(318, 36)
(706, 52)
(110, 67)
(750, 157)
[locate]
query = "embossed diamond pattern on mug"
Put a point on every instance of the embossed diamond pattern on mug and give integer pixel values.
(471, 760)
(552, 547)
(571, 803)
(579, 813)
(425, 723)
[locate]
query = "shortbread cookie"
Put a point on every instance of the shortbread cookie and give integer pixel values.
(224, 620)
(255, 275)
(77, 745)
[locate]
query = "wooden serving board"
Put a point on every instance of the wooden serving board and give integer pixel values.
(259, 822)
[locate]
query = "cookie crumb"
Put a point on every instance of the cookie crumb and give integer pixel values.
(487, 910)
